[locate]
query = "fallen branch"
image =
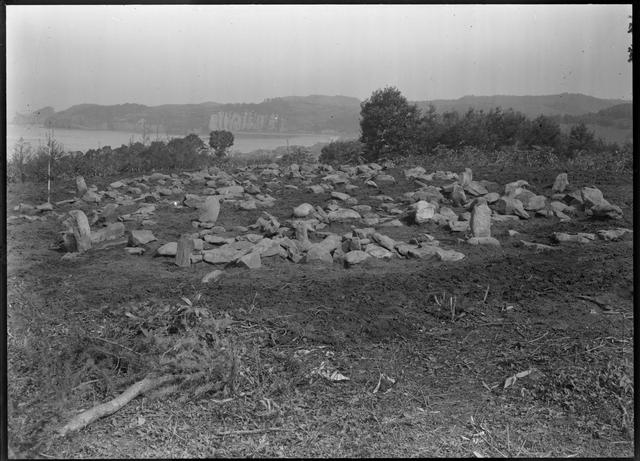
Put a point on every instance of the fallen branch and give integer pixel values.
(87, 417)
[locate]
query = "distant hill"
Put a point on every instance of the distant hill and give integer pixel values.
(294, 114)
(613, 124)
(531, 106)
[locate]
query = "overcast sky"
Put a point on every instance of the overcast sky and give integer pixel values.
(157, 54)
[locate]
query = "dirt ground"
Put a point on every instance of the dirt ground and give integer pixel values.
(386, 325)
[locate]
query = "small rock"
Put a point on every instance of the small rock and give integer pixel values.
(384, 241)
(508, 205)
(538, 247)
(483, 241)
(141, 237)
(355, 257)
(250, 260)
(573, 238)
(110, 232)
(303, 210)
(606, 211)
(340, 195)
(90, 197)
(343, 214)
(45, 207)
(592, 196)
(134, 250)
(613, 234)
(212, 276)
(168, 249)
(449, 255)
(561, 183)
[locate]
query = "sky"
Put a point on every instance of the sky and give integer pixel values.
(172, 54)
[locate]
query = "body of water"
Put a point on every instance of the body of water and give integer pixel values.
(83, 140)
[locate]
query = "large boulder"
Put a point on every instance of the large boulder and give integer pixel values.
(592, 196)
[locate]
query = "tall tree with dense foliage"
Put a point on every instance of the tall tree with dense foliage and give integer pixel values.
(389, 124)
(220, 141)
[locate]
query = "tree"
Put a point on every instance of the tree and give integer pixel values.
(581, 138)
(220, 141)
(389, 124)
(542, 131)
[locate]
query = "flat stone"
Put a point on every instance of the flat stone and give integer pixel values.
(580, 237)
(45, 207)
(355, 257)
(483, 241)
(340, 195)
(168, 249)
(222, 255)
(384, 241)
(250, 260)
(378, 252)
(232, 191)
(509, 205)
(141, 237)
(391, 223)
(458, 226)
(613, 234)
(343, 214)
(90, 197)
(592, 196)
(606, 211)
(538, 247)
(423, 211)
(136, 251)
(110, 232)
(450, 255)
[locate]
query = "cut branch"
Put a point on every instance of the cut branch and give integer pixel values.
(87, 417)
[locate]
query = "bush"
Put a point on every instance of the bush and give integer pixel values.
(296, 154)
(342, 152)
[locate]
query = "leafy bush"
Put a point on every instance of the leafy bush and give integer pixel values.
(342, 152)
(220, 141)
(296, 154)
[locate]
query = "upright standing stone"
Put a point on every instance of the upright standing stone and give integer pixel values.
(183, 252)
(211, 209)
(481, 220)
(81, 185)
(561, 183)
(466, 177)
(79, 226)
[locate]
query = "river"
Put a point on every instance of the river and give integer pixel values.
(83, 140)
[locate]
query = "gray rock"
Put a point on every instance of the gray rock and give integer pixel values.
(457, 197)
(110, 232)
(168, 249)
(141, 237)
(317, 189)
(613, 234)
(45, 207)
(90, 197)
(449, 255)
(378, 252)
(483, 241)
(509, 205)
(136, 251)
(223, 255)
(81, 186)
(231, 191)
(606, 211)
(561, 183)
(318, 253)
(475, 188)
(538, 247)
(481, 220)
(592, 196)
(79, 230)
(423, 211)
(303, 210)
(466, 177)
(184, 249)
(580, 237)
(211, 210)
(458, 226)
(391, 223)
(384, 241)
(514, 188)
(212, 276)
(250, 260)
(492, 197)
(355, 257)
(343, 214)
(340, 195)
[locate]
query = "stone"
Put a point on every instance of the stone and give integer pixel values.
(231, 191)
(247, 205)
(355, 257)
(340, 195)
(385, 178)
(580, 237)
(110, 232)
(508, 205)
(415, 172)
(458, 226)
(212, 276)
(371, 183)
(465, 177)
(534, 202)
(378, 252)
(606, 211)
(504, 218)
(136, 251)
(116, 184)
(90, 197)
(457, 195)
(343, 214)
(423, 252)
(423, 211)
(45, 207)
(475, 188)
(141, 237)
(301, 229)
(481, 220)
(384, 241)
(318, 253)
(267, 248)
(561, 183)
(223, 255)
(217, 239)
(514, 188)
(592, 196)
(211, 210)
(613, 234)
(250, 260)
(538, 247)
(513, 233)
(78, 225)
(449, 255)
(303, 210)
(391, 223)
(168, 249)
(483, 241)
(184, 249)
(81, 186)
(316, 189)
(492, 197)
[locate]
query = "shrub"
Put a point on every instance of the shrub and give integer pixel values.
(296, 154)
(220, 141)
(342, 152)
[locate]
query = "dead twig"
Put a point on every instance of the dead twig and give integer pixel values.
(250, 431)
(115, 344)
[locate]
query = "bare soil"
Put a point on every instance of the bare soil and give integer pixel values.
(515, 310)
